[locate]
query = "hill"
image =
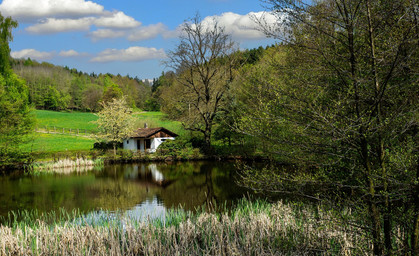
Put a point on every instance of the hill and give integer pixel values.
(61, 88)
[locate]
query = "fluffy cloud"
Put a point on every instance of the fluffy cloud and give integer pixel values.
(135, 53)
(71, 53)
(33, 54)
(241, 27)
(106, 33)
(117, 20)
(55, 16)
(52, 25)
(148, 32)
(35, 9)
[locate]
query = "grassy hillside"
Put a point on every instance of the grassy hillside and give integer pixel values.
(73, 120)
(158, 119)
(42, 141)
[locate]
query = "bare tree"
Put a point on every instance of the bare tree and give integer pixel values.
(203, 62)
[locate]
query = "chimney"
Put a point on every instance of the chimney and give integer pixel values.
(145, 125)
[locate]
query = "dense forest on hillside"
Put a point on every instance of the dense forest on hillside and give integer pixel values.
(60, 88)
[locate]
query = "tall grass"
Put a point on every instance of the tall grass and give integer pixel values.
(256, 228)
(65, 166)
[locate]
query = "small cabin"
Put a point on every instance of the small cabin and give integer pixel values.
(148, 139)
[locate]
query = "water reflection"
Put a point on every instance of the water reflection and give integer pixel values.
(138, 190)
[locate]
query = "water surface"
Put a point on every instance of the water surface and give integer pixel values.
(136, 189)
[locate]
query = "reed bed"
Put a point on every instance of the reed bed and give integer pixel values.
(251, 228)
(65, 166)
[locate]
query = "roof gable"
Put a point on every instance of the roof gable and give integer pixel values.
(159, 132)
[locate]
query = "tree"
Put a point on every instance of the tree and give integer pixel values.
(115, 122)
(203, 64)
(15, 118)
(91, 97)
(6, 26)
(344, 97)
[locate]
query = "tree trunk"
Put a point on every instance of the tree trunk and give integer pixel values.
(373, 209)
(415, 235)
(380, 147)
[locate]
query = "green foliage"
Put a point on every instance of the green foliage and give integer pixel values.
(15, 118)
(342, 94)
(60, 88)
(179, 149)
(6, 26)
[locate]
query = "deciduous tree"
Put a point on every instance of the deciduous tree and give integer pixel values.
(115, 122)
(203, 63)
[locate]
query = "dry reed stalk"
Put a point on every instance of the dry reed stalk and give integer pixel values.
(274, 231)
(66, 166)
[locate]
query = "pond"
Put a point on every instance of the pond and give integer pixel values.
(136, 189)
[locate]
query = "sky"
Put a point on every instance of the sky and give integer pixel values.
(127, 37)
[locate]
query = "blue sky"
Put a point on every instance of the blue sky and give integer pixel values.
(120, 36)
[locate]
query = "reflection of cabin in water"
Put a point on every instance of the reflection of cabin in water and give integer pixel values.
(148, 139)
(148, 176)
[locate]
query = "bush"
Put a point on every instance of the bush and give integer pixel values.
(179, 149)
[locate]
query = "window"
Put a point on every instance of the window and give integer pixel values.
(127, 141)
(147, 144)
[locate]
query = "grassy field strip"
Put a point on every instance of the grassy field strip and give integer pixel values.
(255, 228)
(50, 139)
(69, 120)
(66, 131)
(47, 142)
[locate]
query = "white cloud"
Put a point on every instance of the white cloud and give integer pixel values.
(148, 32)
(52, 25)
(135, 53)
(71, 53)
(117, 20)
(33, 54)
(106, 33)
(31, 10)
(56, 16)
(241, 27)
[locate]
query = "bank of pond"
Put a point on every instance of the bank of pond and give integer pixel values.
(178, 208)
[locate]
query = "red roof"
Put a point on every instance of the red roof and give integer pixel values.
(159, 132)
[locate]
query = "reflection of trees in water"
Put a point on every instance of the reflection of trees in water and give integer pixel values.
(210, 184)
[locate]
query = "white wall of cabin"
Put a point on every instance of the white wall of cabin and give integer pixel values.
(132, 143)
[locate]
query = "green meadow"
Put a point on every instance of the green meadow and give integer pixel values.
(46, 140)
(70, 120)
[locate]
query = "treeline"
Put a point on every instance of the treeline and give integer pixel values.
(61, 88)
